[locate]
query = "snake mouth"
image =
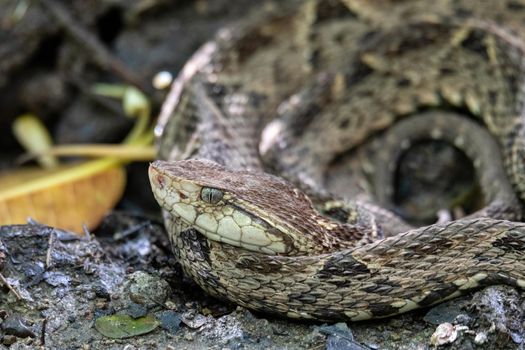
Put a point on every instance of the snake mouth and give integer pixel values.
(218, 220)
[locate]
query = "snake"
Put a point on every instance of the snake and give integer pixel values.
(258, 115)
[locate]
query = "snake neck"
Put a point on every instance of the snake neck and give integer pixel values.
(404, 71)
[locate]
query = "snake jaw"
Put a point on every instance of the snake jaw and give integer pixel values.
(217, 219)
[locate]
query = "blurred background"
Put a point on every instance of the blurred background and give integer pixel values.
(53, 52)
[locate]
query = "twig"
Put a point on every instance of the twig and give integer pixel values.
(87, 233)
(43, 333)
(129, 231)
(50, 245)
(97, 50)
(10, 287)
(112, 106)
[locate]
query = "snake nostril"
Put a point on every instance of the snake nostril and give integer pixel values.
(182, 195)
(160, 181)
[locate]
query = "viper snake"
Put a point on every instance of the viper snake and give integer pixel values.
(259, 115)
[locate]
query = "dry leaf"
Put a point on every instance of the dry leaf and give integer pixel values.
(67, 197)
(70, 197)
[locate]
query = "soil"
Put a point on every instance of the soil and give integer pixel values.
(62, 287)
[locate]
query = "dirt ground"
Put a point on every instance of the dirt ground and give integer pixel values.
(64, 285)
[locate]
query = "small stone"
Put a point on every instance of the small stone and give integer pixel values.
(101, 291)
(162, 80)
(194, 321)
(9, 340)
(445, 333)
(146, 289)
(480, 338)
(170, 321)
(17, 326)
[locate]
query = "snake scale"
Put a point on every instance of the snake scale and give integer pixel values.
(290, 90)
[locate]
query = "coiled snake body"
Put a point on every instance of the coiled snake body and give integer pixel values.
(327, 79)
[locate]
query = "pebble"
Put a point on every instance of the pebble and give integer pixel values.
(480, 338)
(445, 333)
(162, 80)
(148, 290)
(9, 340)
(17, 326)
(170, 321)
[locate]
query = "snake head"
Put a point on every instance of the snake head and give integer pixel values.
(243, 208)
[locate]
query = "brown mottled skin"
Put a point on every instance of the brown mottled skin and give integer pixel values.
(330, 82)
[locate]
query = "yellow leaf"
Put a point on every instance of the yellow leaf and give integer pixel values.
(70, 197)
(66, 197)
(33, 135)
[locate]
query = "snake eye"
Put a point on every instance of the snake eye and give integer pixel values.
(211, 195)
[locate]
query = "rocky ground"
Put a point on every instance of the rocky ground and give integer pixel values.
(62, 288)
